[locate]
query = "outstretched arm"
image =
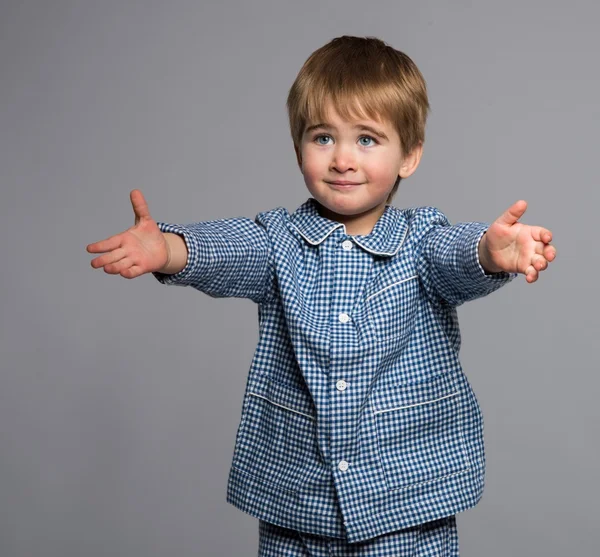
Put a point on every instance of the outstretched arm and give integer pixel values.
(447, 258)
(225, 258)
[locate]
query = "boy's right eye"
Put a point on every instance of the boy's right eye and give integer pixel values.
(319, 137)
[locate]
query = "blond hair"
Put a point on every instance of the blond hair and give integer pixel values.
(362, 77)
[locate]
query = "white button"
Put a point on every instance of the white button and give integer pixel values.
(344, 317)
(341, 385)
(347, 245)
(343, 465)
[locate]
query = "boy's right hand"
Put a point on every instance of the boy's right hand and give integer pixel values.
(138, 250)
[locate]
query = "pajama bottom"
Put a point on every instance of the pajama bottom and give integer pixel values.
(438, 538)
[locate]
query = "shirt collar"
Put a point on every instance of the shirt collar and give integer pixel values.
(386, 238)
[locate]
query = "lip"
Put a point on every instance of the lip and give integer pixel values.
(343, 183)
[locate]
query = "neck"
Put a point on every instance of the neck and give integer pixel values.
(360, 224)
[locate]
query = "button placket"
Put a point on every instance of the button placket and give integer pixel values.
(343, 297)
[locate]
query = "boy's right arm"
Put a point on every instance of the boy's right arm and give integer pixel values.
(222, 258)
(225, 257)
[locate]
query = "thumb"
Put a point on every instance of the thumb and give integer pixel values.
(513, 213)
(140, 207)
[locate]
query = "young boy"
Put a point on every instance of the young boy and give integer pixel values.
(359, 432)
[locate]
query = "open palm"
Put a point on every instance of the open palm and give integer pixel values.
(135, 251)
(514, 247)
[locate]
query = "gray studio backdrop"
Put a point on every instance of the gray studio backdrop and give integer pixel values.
(120, 399)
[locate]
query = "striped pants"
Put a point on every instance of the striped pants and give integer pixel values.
(438, 538)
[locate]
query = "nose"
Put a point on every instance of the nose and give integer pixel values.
(343, 159)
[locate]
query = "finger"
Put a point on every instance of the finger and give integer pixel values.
(513, 213)
(540, 234)
(118, 267)
(538, 247)
(549, 252)
(132, 272)
(109, 258)
(140, 207)
(546, 250)
(538, 262)
(105, 245)
(531, 275)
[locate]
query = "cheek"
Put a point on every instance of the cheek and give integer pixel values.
(311, 166)
(381, 177)
(382, 172)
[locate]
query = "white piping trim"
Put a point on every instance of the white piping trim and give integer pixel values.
(417, 404)
(390, 285)
(384, 252)
(354, 238)
(323, 238)
(281, 406)
(429, 481)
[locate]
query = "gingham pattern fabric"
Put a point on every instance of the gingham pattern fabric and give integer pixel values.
(357, 419)
(432, 539)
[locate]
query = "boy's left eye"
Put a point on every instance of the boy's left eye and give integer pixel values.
(368, 137)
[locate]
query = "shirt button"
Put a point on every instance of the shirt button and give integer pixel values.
(341, 385)
(343, 465)
(344, 317)
(347, 245)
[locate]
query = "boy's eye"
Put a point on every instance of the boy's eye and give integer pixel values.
(320, 137)
(367, 137)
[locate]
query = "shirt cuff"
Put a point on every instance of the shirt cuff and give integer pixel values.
(473, 268)
(192, 251)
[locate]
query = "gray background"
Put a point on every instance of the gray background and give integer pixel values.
(120, 399)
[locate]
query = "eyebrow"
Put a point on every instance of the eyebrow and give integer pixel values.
(364, 127)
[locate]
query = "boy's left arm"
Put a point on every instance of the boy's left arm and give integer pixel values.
(469, 260)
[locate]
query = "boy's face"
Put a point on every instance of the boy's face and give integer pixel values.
(346, 151)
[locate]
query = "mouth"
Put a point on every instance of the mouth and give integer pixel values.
(343, 184)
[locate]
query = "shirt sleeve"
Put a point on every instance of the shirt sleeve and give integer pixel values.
(226, 258)
(447, 259)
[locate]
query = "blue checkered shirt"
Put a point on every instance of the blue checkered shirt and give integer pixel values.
(357, 418)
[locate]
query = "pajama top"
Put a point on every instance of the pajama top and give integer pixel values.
(357, 418)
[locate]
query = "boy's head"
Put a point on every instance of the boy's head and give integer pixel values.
(356, 80)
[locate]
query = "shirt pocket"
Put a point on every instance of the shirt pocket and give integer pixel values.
(276, 440)
(419, 431)
(391, 310)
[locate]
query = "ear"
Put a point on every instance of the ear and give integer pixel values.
(411, 161)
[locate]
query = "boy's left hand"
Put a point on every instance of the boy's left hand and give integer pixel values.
(515, 247)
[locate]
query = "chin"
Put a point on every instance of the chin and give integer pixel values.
(343, 208)
(353, 207)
